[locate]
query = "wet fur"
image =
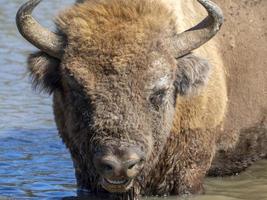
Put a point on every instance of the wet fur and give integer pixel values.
(252, 141)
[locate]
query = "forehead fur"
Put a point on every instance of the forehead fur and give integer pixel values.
(116, 37)
(105, 15)
(106, 23)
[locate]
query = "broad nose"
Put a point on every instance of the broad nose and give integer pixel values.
(126, 164)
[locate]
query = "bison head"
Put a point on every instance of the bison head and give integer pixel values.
(116, 69)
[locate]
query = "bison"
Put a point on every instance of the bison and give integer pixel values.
(139, 111)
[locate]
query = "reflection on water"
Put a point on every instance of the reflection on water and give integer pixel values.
(33, 161)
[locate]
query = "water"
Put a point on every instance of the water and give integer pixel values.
(33, 161)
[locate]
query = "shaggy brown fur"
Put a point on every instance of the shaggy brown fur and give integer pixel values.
(119, 84)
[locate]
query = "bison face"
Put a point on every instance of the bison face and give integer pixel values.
(116, 71)
(126, 107)
(115, 117)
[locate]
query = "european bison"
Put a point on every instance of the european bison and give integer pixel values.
(140, 113)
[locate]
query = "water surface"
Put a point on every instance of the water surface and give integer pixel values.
(34, 164)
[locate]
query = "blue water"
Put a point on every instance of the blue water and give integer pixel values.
(33, 160)
(34, 164)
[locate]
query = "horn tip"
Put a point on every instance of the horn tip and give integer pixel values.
(214, 10)
(27, 8)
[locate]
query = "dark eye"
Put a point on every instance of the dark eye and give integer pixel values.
(157, 98)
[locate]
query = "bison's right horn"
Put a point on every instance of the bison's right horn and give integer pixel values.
(40, 37)
(201, 33)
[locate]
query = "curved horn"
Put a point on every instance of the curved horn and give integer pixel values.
(201, 33)
(40, 37)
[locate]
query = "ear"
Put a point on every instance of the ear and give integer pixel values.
(192, 74)
(44, 71)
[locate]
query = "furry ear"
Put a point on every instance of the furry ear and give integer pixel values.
(192, 74)
(44, 71)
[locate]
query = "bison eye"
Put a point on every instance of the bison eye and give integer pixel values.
(157, 98)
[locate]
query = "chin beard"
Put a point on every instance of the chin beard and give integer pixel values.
(98, 192)
(133, 193)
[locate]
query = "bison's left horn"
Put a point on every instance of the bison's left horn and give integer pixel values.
(201, 33)
(40, 37)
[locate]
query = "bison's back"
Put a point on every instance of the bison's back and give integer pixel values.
(243, 43)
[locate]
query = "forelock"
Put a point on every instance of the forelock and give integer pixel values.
(94, 20)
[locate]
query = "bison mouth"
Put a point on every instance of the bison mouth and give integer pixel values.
(116, 185)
